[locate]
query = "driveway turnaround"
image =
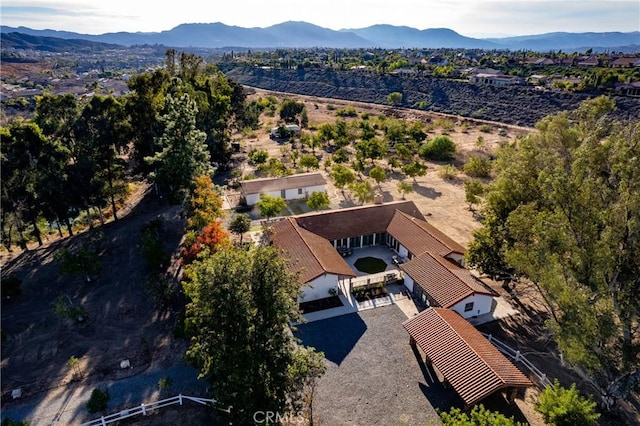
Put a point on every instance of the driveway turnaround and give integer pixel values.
(373, 376)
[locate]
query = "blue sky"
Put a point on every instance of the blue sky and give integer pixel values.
(476, 18)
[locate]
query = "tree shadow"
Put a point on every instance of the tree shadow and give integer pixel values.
(426, 191)
(336, 336)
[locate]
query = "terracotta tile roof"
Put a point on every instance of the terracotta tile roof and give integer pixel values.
(262, 185)
(309, 254)
(473, 366)
(419, 236)
(355, 221)
(445, 281)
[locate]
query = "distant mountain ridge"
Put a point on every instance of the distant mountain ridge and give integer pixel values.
(293, 34)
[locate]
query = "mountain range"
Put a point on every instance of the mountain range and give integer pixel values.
(293, 34)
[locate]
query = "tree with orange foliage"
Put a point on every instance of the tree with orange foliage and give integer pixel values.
(205, 204)
(208, 241)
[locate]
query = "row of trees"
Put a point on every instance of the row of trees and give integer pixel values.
(76, 156)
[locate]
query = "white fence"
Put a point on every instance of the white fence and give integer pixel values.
(146, 408)
(518, 357)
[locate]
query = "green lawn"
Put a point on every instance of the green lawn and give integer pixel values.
(370, 265)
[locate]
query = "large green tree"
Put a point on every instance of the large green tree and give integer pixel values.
(242, 303)
(563, 213)
(184, 154)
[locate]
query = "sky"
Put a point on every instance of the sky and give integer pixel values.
(473, 18)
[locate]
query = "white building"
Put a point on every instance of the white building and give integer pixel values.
(292, 187)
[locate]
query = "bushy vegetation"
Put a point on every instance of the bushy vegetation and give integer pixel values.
(440, 148)
(560, 406)
(98, 400)
(478, 416)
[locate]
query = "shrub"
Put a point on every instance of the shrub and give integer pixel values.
(98, 400)
(152, 248)
(477, 416)
(440, 148)
(347, 112)
(485, 128)
(448, 172)
(477, 167)
(564, 407)
(258, 156)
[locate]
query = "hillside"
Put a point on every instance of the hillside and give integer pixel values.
(520, 106)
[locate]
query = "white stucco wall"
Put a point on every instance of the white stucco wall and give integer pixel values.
(481, 305)
(409, 282)
(403, 252)
(319, 288)
(290, 194)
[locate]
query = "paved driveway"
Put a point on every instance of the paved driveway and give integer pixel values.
(373, 376)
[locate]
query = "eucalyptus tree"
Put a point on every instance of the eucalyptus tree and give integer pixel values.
(563, 213)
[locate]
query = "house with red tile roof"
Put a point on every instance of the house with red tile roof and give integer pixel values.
(433, 263)
(472, 366)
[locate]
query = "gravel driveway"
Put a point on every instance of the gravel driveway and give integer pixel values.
(373, 376)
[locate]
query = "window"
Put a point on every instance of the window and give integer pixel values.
(299, 191)
(468, 307)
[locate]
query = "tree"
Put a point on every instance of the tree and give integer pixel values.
(414, 169)
(560, 214)
(242, 303)
(204, 205)
(305, 370)
(378, 174)
(394, 98)
(210, 239)
(84, 260)
(478, 167)
(104, 128)
(478, 416)
(362, 191)
(240, 224)
(309, 161)
(318, 200)
(342, 176)
(560, 406)
(404, 188)
(473, 189)
(184, 154)
(290, 110)
(270, 206)
(440, 148)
